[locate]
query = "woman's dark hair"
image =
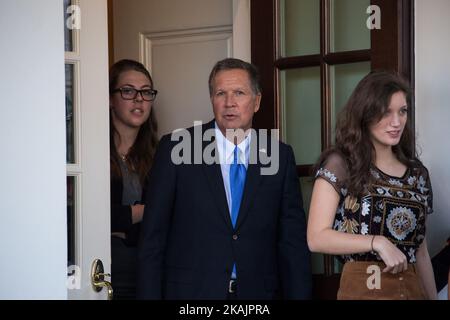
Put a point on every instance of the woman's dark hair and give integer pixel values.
(140, 155)
(365, 107)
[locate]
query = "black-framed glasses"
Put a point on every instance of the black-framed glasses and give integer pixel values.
(128, 93)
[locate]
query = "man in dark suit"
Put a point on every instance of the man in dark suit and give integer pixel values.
(232, 228)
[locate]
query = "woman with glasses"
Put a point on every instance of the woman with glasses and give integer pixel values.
(372, 196)
(133, 142)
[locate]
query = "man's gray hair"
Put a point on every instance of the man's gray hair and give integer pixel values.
(232, 63)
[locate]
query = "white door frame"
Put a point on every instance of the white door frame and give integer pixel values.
(33, 208)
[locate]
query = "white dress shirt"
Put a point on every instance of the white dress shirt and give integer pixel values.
(226, 149)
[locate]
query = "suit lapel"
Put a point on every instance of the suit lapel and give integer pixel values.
(213, 174)
(252, 182)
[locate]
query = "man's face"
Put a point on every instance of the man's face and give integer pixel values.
(233, 100)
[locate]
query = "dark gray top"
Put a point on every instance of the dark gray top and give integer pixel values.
(132, 189)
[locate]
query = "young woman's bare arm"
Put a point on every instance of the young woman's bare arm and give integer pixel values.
(322, 238)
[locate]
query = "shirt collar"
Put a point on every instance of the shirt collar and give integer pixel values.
(226, 148)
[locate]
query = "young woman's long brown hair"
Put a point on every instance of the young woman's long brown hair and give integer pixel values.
(365, 107)
(140, 155)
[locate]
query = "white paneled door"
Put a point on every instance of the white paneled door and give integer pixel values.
(87, 140)
(54, 186)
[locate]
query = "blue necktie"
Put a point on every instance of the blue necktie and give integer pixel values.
(237, 182)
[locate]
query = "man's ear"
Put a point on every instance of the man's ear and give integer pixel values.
(257, 101)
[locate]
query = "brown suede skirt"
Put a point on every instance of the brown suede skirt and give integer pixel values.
(367, 281)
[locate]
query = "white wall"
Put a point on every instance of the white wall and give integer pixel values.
(432, 25)
(32, 142)
(180, 65)
(134, 16)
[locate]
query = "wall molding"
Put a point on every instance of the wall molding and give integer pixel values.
(147, 40)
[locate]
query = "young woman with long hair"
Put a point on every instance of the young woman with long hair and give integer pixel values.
(133, 142)
(372, 195)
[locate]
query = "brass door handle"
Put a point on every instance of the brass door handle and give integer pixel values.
(98, 278)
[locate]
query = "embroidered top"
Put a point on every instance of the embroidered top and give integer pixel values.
(393, 207)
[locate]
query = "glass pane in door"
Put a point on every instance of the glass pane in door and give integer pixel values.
(71, 201)
(299, 27)
(306, 184)
(348, 25)
(300, 92)
(68, 33)
(344, 78)
(70, 121)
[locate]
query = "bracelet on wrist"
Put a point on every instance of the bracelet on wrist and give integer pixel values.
(371, 242)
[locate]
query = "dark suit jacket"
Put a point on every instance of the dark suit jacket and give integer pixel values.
(188, 243)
